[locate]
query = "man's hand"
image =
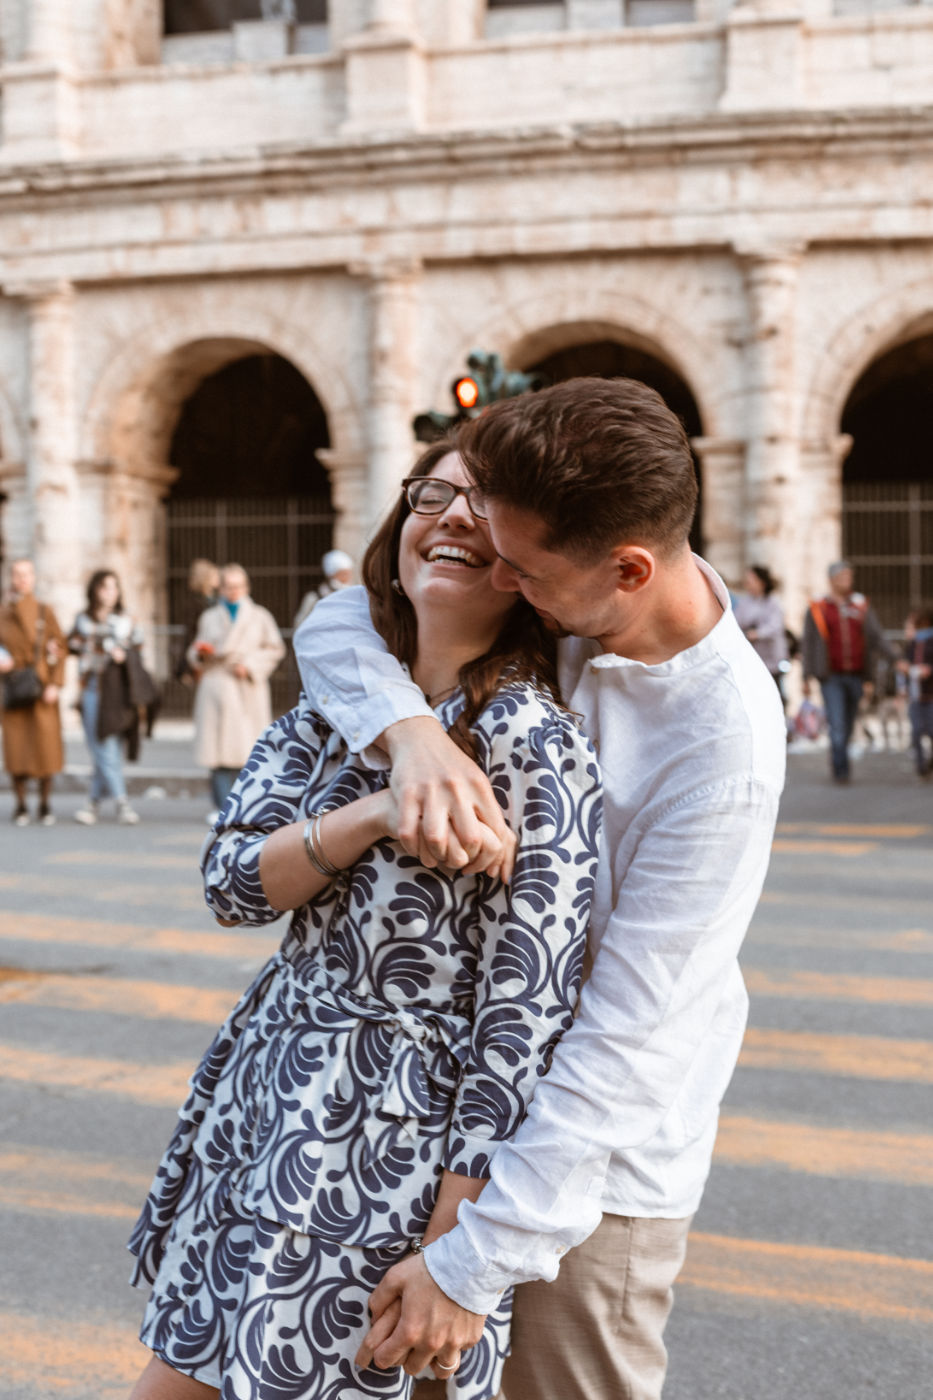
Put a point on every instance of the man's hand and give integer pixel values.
(447, 812)
(416, 1324)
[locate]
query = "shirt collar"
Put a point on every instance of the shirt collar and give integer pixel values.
(717, 639)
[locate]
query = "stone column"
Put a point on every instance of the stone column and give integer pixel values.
(393, 331)
(595, 14)
(349, 493)
(820, 543)
(39, 117)
(772, 455)
(764, 55)
(48, 39)
(54, 529)
(385, 71)
(722, 503)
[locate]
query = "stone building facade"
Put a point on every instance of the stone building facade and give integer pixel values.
(734, 201)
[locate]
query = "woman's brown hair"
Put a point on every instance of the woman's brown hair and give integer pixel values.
(524, 650)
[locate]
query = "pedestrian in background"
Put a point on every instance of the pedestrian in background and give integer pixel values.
(105, 638)
(842, 638)
(237, 647)
(918, 667)
(337, 568)
(203, 582)
(32, 733)
(761, 618)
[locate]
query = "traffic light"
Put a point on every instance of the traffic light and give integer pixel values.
(487, 382)
(466, 393)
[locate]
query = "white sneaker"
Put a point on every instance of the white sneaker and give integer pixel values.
(46, 818)
(21, 818)
(125, 814)
(87, 816)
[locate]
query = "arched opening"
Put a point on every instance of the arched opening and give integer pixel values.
(251, 490)
(609, 359)
(887, 480)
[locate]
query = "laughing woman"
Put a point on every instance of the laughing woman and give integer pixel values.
(357, 1092)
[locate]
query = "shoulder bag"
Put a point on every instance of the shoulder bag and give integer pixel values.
(22, 686)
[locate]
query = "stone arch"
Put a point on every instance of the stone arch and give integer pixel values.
(886, 548)
(137, 399)
(878, 326)
(529, 329)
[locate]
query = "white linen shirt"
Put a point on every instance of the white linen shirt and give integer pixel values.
(692, 753)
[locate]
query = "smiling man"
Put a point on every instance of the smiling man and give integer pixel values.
(589, 490)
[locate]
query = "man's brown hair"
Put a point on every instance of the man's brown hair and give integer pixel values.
(601, 461)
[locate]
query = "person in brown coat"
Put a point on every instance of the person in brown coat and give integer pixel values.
(32, 735)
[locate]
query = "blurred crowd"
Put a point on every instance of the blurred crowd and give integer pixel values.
(843, 681)
(854, 684)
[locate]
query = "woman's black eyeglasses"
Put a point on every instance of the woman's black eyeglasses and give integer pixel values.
(431, 495)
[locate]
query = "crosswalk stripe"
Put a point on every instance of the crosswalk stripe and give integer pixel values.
(743, 1140)
(210, 941)
(60, 1354)
(161, 1086)
(126, 893)
(132, 860)
(876, 1285)
(857, 1056)
(124, 997)
(839, 986)
(871, 1285)
(800, 846)
(905, 1158)
(893, 830)
(864, 1057)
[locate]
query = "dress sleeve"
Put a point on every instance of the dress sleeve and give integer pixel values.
(267, 795)
(531, 933)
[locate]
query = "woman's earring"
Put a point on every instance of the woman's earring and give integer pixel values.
(397, 587)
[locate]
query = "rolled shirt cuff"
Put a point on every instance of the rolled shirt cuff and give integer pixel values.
(459, 1272)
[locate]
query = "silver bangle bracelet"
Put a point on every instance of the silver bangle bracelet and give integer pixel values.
(314, 849)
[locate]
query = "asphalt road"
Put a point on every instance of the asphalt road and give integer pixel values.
(810, 1270)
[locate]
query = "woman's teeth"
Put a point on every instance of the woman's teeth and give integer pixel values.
(454, 556)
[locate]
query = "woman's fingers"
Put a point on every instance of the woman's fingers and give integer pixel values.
(382, 1328)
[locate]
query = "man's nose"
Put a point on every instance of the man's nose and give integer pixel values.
(504, 577)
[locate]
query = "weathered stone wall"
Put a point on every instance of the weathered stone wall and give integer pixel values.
(742, 196)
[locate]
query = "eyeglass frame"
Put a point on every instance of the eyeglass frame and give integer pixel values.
(411, 481)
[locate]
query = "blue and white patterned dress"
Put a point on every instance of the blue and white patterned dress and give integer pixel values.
(399, 1030)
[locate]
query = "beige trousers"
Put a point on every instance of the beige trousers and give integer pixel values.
(595, 1333)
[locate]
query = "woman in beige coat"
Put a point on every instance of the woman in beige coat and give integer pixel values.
(32, 735)
(237, 647)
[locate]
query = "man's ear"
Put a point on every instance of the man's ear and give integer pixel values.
(635, 567)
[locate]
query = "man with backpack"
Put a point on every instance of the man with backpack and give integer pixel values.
(841, 639)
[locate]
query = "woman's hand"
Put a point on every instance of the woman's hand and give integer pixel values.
(118, 655)
(50, 695)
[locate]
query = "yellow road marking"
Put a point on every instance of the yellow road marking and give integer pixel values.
(62, 1355)
(906, 1158)
(137, 860)
(798, 847)
(159, 1086)
(896, 830)
(839, 986)
(145, 999)
(860, 1056)
(128, 893)
(207, 942)
(871, 1285)
(70, 1183)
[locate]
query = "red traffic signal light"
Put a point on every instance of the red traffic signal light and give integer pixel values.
(466, 391)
